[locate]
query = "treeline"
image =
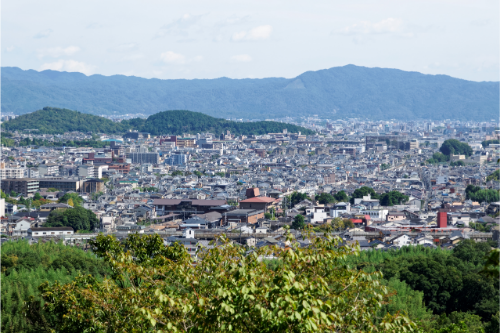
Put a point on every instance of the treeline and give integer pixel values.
(181, 121)
(476, 193)
(69, 143)
(451, 285)
(386, 199)
(58, 121)
(25, 267)
(448, 148)
(488, 142)
(437, 290)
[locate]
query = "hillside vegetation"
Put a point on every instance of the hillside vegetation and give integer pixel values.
(57, 121)
(25, 267)
(348, 91)
(178, 122)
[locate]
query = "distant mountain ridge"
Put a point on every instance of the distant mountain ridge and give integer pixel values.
(339, 92)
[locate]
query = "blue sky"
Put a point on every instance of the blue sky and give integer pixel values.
(251, 39)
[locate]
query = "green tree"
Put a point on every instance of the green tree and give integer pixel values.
(154, 288)
(362, 192)
(297, 197)
(78, 218)
(324, 198)
(455, 147)
(298, 222)
(393, 198)
(341, 196)
(75, 198)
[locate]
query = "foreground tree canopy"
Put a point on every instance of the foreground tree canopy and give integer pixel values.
(155, 288)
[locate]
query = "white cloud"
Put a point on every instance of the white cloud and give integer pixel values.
(198, 58)
(390, 25)
(258, 33)
(241, 58)
(133, 57)
(69, 66)
(124, 47)
(10, 48)
(43, 34)
(172, 57)
(56, 52)
(180, 27)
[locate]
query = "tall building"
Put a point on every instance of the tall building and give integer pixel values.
(140, 158)
(177, 159)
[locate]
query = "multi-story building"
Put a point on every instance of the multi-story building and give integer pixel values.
(12, 173)
(177, 159)
(32, 173)
(140, 158)
(186, 142)
(24, 186)
(93, 185)
(48, 170)
(61, 184)
(86, 171)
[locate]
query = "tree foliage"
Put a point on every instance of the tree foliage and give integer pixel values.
(298, 222)
(324, 198)
(78, 218)
(57, 121)
(25, 266)
(341, 196)
(74, 197)
(178, 122)
(393, 198)
(362, 192)
(297, 197)
(156, 288)
(476, 193)
(438, 158)
(455, 147)
(494, 176)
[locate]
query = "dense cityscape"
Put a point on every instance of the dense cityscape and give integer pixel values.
(250, 167)
(382, 186)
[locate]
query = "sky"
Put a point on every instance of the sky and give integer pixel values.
(251, 39)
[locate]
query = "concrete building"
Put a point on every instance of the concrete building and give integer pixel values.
(177, 159)
(11, 172)
(48, 170)
(139, 158)
(93, 185)
(50, 232)
(61, 184)
(24, 186)
(85, 171)
(2, 207)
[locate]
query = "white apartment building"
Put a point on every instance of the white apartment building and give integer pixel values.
(9, 173)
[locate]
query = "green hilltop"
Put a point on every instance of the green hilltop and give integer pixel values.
(57, 121)
(178, 122)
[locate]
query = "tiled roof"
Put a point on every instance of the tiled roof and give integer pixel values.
(259, 200)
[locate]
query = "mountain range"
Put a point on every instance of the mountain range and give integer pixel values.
(339, 92)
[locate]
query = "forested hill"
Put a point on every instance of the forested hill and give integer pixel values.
(178, 122)
(57, 121)
(349, 91)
